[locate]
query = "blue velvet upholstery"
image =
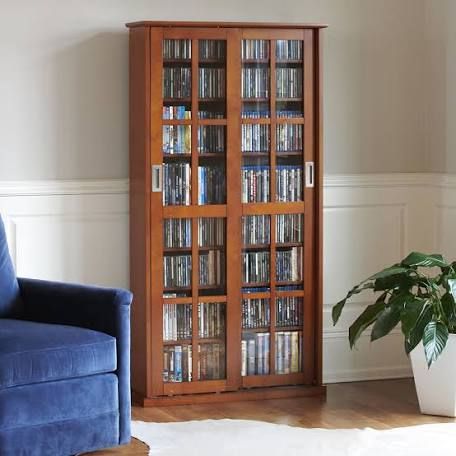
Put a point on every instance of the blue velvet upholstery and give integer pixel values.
(64, 369)
(10, 301)
(39, 352)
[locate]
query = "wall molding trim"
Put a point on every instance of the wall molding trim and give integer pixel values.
(118, 186)
(370, 220)
(63, 187)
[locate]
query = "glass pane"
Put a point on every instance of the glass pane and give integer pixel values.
(177, 322)
(255, 167)
(289, 172)
(255, 268)
(212, 79)
(288, 347)
(289, 311)
(211, 320)
(289, 264)
(255, 80)
(177, 363)
(177, 233)
(212, 256)
(177, 260)
(289, 78)
(255, 313)
(212, 363)
(211, 170)
(177, 79)
(290, 228)
(255, 354)
(256, 230)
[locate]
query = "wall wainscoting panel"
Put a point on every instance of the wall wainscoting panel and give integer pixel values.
(78, 231)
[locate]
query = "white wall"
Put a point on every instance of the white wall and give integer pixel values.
(64, 81)
(440, 60)
(78, 231)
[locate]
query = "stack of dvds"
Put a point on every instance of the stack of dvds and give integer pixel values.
(177, 363)
(289, 265)
(211, 82)
(288, 311)
(177, 139)
(289, 228)
(255, 313)
(211, 364)
(212, 50)
(289, 137)
(289, 82)
(255, 83)
(256, 229)
(177, 321)
(289, 49)
(289, 183)
(214, 114)
(255, 184)
(176, 184)
(177, 271)
(289, 113)
(211, 139)
(177, 49)
(177, 82)
(177, 233)
(249, 113)
(176, 112)
(211, 232)
(255, 267)
(255, 138)
(288, 347)
(211, 318)
(211, 180)
(255, 49)
(211, 268)
(255, 354)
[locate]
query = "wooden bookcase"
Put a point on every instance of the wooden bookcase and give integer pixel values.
(225, 211)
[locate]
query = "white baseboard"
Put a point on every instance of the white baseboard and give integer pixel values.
(78, 231)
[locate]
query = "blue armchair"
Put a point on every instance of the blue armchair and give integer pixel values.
(64, 365)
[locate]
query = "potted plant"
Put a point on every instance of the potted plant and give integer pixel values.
(424, 305)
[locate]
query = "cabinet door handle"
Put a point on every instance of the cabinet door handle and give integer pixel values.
(310, 175)
(157, 179)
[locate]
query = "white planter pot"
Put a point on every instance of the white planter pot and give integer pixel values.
(436, 387)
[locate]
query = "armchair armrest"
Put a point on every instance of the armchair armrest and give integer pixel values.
(101, 309)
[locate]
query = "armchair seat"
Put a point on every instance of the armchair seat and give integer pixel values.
(33, 352)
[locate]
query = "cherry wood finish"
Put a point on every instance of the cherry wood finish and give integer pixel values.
(147, 214)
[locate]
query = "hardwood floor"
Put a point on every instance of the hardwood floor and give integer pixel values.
(376, 404)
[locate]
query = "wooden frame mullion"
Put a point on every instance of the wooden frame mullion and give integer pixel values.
(309, 196)
(156, 208)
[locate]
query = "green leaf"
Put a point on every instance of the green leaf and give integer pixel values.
(392, 270)
(435, 337)
(401, 281)
(364, 321)
(411, 313)
(390, 316)
(452, 286)
(449, 307)
(386, 321)
(421, 259)
(337, 309)
(415, 335)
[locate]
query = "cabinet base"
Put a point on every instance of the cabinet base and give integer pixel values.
(252, 394)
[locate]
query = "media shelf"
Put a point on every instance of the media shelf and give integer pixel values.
(225, 211)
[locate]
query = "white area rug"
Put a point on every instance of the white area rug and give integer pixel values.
(241, 437)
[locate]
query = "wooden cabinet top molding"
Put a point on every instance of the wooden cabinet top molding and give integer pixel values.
(274, 25)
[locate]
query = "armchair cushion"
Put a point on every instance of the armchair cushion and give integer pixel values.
(38, 352)
(10, 302)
